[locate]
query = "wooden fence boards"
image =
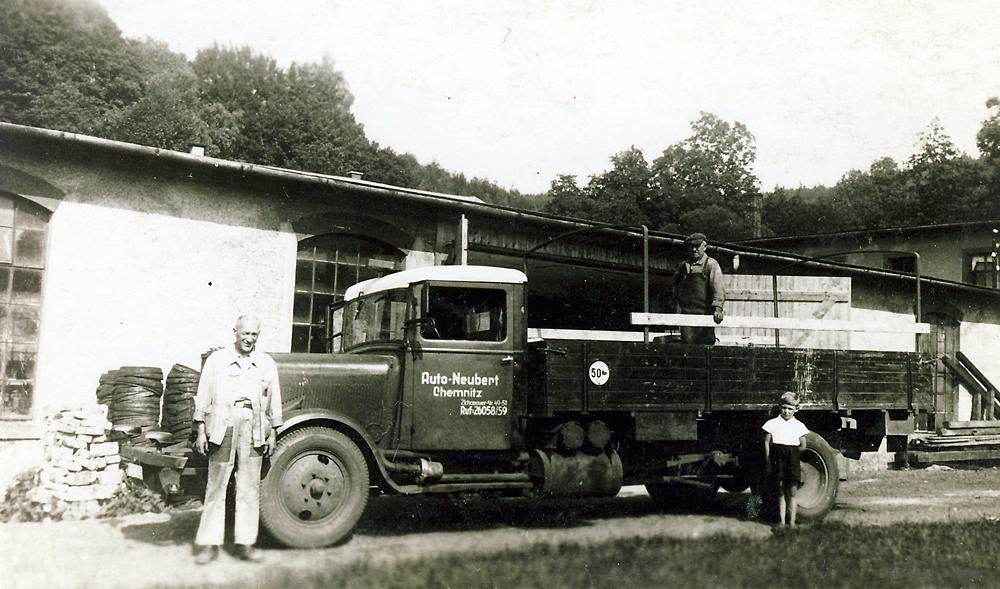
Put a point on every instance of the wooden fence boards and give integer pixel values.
(805, 297)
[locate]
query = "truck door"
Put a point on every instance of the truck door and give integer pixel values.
(461, 368)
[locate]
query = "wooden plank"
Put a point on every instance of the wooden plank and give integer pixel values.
(927, 457)
(536, 333)
(151, 457)
(684, 320)
(972, 368)
(935, 438)
(797, 296)
(955, 424)
(960, 444)
(984, 431)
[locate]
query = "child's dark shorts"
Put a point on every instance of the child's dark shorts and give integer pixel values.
(785, 467)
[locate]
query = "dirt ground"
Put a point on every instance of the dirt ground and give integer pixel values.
(153, 549)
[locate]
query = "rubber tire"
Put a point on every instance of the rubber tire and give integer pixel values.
(820, 479)
(281, 522)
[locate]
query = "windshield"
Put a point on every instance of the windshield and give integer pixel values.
(375, 318)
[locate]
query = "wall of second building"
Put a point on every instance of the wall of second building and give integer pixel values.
(128, 288)
(980, 340)
(942, 250)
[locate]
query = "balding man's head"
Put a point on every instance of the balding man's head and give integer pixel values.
(246, 331)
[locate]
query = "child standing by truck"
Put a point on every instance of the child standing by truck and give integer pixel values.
(783, 444)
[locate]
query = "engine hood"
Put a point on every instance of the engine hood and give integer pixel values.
(362, 387)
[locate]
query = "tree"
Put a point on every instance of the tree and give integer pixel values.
(297, 119)
(64, 65)
(876, 198)
(786, 211)
(621, 195)
(170, 113)
(988, 137)
(947, 185)
(711, 168)
(567, 199)
(988, 141)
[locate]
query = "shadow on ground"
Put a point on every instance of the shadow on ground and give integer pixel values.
(388, 516)
(179, 529)
(401, 516)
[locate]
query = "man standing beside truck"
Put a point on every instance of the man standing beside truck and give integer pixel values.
(699, 289)
(237, 408)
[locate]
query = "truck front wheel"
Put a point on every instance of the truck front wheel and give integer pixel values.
(820, 479)
(315, 490)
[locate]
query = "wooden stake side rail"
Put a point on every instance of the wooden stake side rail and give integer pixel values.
(664, 376)
(685, 320)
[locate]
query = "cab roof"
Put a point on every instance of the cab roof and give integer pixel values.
(484, 274)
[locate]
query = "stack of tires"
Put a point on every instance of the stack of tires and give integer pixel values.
(178, 401)
(106, 388)
(135, 398)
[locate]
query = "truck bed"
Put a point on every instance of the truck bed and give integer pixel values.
(668, 376)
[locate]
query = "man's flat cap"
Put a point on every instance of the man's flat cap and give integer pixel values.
(695, 238)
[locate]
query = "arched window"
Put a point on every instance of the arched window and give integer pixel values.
(23, 226)
(326, 266)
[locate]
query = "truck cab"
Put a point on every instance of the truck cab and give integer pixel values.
(459, 334)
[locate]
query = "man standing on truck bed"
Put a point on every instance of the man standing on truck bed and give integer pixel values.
(699, 289)
(237, 407)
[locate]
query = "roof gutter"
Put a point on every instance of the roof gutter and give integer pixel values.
(436, 199)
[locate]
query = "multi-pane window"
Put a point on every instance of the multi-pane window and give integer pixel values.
(981, 269)
(327, 265)
(906, 264)
(23, 227)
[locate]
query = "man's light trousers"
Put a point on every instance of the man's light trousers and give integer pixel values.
(236, 449)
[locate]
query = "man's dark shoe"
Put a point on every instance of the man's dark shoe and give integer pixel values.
(247, 553)
(206, 554)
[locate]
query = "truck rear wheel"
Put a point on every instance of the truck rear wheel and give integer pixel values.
(315, 490)
(820, 479)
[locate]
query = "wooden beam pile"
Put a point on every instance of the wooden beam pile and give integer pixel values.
(958, 441)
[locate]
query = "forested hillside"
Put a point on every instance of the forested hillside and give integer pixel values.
(65, 65)
(706, 183)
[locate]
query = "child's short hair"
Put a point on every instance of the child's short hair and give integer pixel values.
(789, 398)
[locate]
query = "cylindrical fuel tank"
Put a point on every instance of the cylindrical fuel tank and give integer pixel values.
(576, 474)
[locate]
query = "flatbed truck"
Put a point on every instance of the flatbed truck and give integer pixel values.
(438, 388)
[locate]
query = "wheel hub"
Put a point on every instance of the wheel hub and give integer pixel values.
(312, 487)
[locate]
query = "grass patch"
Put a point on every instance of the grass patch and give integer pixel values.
(826, 555)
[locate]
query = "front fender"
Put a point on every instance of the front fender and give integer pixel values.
(348, 426)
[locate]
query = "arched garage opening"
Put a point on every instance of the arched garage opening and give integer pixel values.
(326, 266)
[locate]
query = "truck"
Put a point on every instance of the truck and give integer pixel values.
(440, 387)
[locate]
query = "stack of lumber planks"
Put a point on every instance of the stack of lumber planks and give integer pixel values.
(957, 441)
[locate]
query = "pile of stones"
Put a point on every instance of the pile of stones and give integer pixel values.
(81, 467)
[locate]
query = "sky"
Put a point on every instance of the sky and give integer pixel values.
(520, 91)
